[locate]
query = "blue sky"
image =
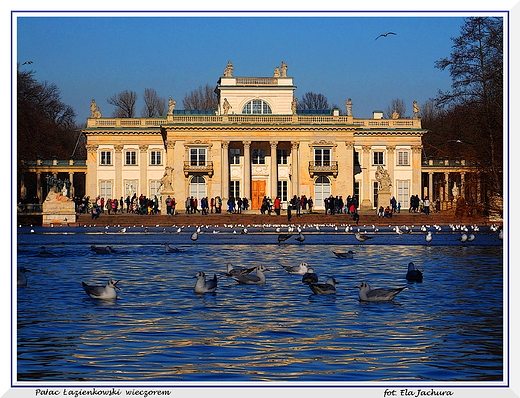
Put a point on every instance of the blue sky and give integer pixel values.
(334, 54)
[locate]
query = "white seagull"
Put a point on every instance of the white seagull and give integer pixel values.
(328, 287)
(203, 286)
(258, 278)
(367, 294)
(300, 238)
(102, 292)
(301, 269)
(362, 237)
(194, 236)
(230, 271)
(428, 237)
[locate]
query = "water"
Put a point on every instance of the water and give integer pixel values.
(448, 328)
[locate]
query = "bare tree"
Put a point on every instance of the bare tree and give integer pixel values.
(398, 105)
(313, 101)
(124, 103)
(153, 104)
(204, 98)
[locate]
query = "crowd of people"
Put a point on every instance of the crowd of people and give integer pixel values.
(135, 204)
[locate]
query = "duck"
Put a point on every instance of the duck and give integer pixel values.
(258, 278)
(297, 269)
(102, 292)
(204, 286)
(413, 273)
(328, 287)
(21, 278)
(103, 250)
(368, 294)
(349, 254)
(310, 277)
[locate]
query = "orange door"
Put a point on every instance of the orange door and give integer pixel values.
(258, 193)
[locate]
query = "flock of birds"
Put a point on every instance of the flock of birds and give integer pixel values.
(256, 275)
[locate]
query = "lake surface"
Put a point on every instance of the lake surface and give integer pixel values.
(447, 328)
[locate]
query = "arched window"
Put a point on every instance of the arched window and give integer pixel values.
(321, 191)
(256, 107)
(198, 187)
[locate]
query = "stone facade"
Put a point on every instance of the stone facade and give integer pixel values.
(255, 144)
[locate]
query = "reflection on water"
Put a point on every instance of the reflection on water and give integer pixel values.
(447, 328)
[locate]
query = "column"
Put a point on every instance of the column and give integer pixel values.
(119, 190)
(430, 186)
(366, 202)
(247, 170)
(143, 170)
(295, 166)
(39, 186)
(446, 186)
(71, 180)
(274, 170)
(225, 170)
(416, 169)
(91, 184)
(348, 168)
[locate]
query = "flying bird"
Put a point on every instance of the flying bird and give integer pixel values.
(27, 62)
(385, 34)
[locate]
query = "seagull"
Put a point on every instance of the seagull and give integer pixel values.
(102, 292)
(428, 237)
(252, 279)
(21, 278)
(362, 238)
(203, 286)
(349, 254)
(27, 62)
(328, 287)
(310, 276)
(169, 249)
(367, 294)
(385, 34)
(194, 236)
(300, 238)
(463, 238)
(297, 269)
(413, 273)
(283, 237)
(103, 250)
(471, 238)
(237, 271)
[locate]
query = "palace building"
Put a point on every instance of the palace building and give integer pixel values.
(257, 143)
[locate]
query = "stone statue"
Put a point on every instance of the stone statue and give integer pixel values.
(277, 72)
(384, 180)
(166, 179)
(455, 191)
(416, 110)
(348, 105)
(226, 106)
(395, 115)
(294, 105)
(283, 73)
(171, 106)
(228, 72)
(94, 109)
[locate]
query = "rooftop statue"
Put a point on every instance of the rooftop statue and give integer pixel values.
(395, 115)
(283, 73)
(348, 105)
(228, 72)
(226, 106)
(171, 106)
(416, 110)
(94, 109)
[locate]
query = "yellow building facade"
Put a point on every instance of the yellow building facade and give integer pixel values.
(257, 143)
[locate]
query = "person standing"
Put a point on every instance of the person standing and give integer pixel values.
(277, 205)
(426, 204)
(168, 202)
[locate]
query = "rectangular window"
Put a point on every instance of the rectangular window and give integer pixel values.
(155, 157)
(403, 193)
(105, 189)
(379, 158)
(155, 190)
(234, 155)
(258, 156)
(198, 156)
(281, 156)
(234, 189)
(322, 156)
(403, 158)
(131, 158)
(105, 158)
(282, 190)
